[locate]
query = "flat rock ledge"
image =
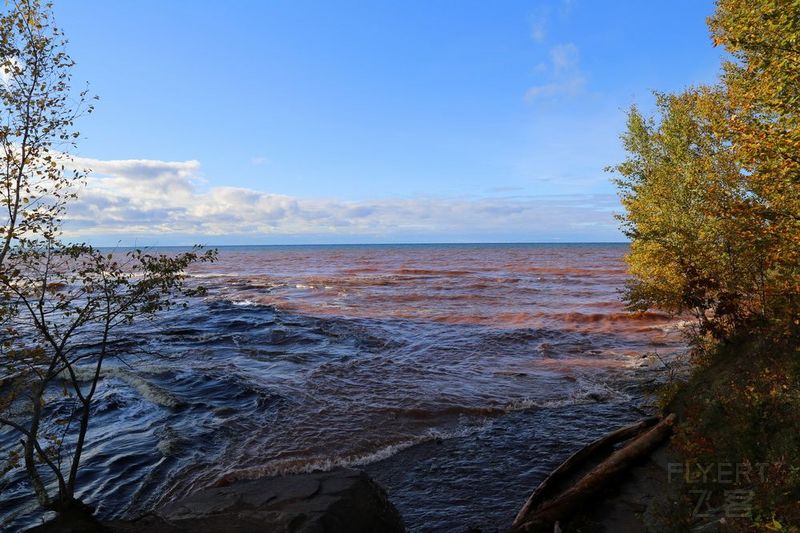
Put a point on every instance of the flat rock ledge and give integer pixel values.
(342, 500)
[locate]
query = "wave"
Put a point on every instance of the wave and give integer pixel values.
(244, 303)
(213, 275)
(148, 391)
(576, 317)
(324, 464)
(432, 272)
(587, 394)
(572, 271)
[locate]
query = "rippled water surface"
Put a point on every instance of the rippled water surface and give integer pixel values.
(457, 375)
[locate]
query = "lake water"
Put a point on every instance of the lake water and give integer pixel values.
(456, 375)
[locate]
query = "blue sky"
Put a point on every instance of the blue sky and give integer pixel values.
(435, 121)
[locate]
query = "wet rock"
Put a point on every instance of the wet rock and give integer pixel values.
(342, 500)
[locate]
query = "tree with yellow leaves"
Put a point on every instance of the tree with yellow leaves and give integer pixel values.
(61, 304)
(711, 185)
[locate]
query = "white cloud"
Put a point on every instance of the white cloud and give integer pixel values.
(564, 73)
(564, 57)
(539, 26)
(158, 198)
(569, 87)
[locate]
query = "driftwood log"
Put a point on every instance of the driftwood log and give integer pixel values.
(590, 452)
(544, 508)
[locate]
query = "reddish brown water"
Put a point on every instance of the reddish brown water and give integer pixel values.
(570, 288)
(455, 374)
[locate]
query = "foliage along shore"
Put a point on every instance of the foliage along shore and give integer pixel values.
(711, 190)
(738, 438)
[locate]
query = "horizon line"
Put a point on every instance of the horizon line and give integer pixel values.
(444, 243)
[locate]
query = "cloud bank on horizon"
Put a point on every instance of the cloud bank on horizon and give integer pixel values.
(165, 202)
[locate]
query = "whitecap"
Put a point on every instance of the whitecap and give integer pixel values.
(147, 390)
(303, 466)
(244, 303)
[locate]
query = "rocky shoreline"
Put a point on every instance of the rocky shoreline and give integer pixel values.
(348, 500)
(342, 500)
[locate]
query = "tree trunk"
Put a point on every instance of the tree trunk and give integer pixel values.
(76, 457)
(30, 447)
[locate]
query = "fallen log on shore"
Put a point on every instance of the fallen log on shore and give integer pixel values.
(547, 505)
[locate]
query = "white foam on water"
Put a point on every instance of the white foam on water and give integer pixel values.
(148, 391)
(212, 275)
(244, 303)
(304, 466)
(587, 392)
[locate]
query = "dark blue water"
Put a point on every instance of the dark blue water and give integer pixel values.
(456, 375)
